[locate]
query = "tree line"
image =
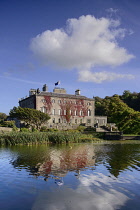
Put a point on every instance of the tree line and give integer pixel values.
(124, 110)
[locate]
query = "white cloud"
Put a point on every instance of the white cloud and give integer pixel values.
(111, 10)
(99, 77)
(130, 32)
(95, 191)
(85, 43)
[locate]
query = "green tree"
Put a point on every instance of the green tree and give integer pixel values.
(131, 99)
(31, 117)
(126, 118)
(126, 94)
(3, 116)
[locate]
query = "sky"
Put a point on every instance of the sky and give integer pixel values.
(87, 44)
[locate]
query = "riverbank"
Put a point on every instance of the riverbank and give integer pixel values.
(120, 136)
(15, 138)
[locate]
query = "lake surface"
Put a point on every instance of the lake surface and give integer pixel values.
(102, 176)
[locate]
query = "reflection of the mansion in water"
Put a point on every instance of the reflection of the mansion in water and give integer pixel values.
(62, 161)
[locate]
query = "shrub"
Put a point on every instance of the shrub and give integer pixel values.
(90, 129)
(52, 129)
(44, 129)
(9, 124)
(34, 129)
(81, 128)
(72, 131)
(24, 130)
(14, 129)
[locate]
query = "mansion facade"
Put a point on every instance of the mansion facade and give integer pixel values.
(63, 108)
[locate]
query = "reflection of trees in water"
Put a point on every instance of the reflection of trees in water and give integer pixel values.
(56, 161)
(119, 157)
(29, 157)
(122, 157)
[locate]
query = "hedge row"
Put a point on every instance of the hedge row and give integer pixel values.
(14, 138)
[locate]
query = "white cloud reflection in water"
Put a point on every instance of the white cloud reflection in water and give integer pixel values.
(95, 191)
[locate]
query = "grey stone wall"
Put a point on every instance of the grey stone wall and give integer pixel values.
(5, 129)
(100, 120)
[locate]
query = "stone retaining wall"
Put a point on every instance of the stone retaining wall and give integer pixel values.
(130, 138)
(5, 129)
(119, 136)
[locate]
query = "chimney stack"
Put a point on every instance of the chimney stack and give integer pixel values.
(45, 88)
(77, 92)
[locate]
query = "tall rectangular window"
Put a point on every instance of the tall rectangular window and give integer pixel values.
(43, 109)
(89, 112)
(59, 111)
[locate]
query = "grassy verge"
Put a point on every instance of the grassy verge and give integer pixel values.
(14, 138)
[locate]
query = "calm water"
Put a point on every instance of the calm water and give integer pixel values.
(102, 176)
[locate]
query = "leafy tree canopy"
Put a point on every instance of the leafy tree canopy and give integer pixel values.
(30, 117)
(3, 116)
(126, 118)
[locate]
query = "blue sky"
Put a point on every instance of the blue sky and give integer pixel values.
(87, 44)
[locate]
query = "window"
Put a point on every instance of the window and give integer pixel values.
(75, 121)
(59, 111)
(53, 101)
(59, 101)
(89, 112)
(89, 103)
(43, 100)
(81, 113)
(59, 120)
(43, 109)
(53, 111)
(70, 112)
(64, 112)
(80, 121)
(53, 120)
(88, 121)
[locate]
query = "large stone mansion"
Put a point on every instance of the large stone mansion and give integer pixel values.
(63, 108)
